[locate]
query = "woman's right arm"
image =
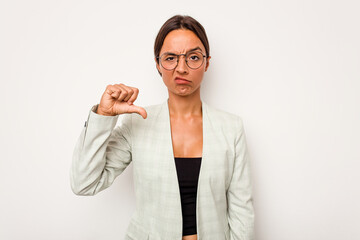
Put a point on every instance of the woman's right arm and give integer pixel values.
(102, 152)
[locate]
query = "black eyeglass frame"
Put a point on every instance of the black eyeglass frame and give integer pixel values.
(178, 58)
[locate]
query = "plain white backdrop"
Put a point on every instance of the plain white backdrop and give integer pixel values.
(290, 69)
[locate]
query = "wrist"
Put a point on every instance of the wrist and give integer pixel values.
(100, 112)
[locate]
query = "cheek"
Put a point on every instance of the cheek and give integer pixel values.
(199, 73)
(167, 76)
(167, 73)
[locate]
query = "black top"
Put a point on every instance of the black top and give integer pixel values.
(188, 174)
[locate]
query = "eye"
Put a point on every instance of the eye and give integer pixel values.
(194, 57)
(169, 58)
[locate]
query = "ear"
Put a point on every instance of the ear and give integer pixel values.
(207, 63)
(157, 66)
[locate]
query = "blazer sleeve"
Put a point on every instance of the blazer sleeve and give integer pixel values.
(101, 153)
(239, 195)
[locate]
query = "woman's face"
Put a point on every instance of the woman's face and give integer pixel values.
(181, 41)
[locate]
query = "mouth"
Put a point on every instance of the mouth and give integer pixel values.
(181, 79)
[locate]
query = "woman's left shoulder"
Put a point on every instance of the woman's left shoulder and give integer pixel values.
(225, 117)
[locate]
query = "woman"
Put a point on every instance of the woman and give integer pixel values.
(190, 160)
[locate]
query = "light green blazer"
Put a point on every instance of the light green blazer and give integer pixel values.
(224, 207)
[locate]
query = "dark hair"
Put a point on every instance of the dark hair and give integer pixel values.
(180, 22)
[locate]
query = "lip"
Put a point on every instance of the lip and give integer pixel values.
(180, 80)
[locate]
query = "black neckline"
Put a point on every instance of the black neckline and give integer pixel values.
(187, 157)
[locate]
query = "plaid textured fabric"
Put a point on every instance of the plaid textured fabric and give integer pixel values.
(224, 207)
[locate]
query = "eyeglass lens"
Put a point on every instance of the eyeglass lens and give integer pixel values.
(193, 60)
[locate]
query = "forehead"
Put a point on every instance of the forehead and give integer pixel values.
(180, 41)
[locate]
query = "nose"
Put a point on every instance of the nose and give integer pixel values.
(182, 66)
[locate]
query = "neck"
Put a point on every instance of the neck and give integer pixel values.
(185, 106)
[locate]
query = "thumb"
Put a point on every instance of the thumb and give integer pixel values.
(139, 110)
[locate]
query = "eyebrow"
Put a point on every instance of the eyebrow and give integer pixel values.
(193, 49)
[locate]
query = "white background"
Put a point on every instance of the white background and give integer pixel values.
(290, 69)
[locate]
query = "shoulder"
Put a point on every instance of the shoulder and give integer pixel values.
(153, 112)
(154, 107)
(224, 118)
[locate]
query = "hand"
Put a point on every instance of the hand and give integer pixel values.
(118, 99)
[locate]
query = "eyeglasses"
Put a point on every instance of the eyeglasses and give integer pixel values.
(193, 60)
